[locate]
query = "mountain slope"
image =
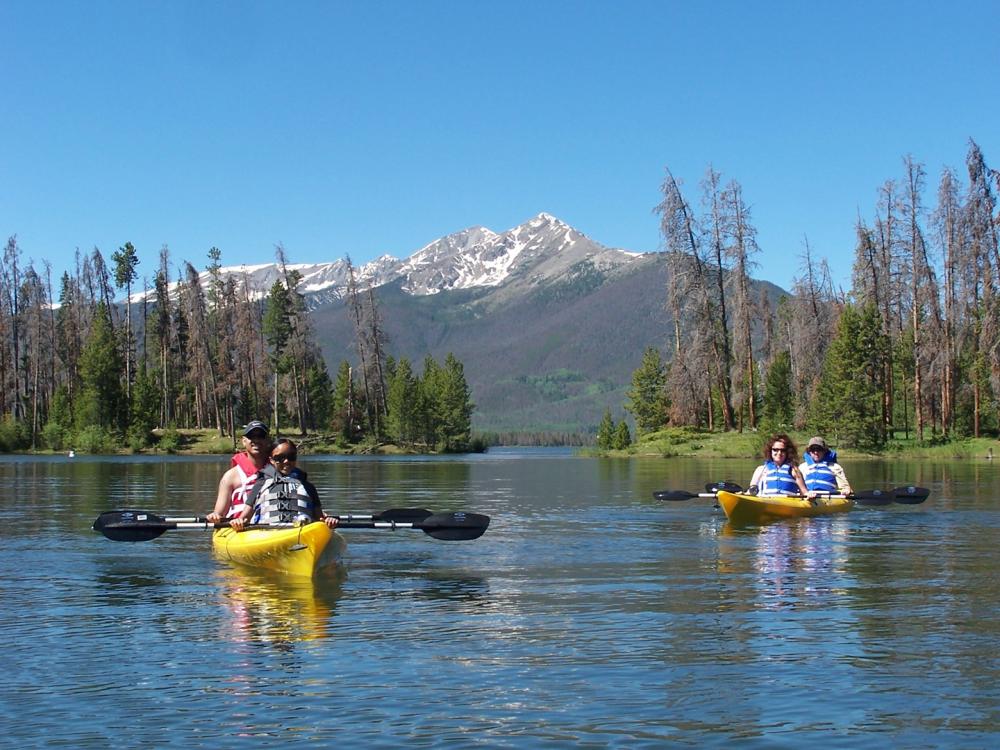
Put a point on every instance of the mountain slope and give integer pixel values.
(549, 323)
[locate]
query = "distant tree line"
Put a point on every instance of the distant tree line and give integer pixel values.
(79, 371)
(912, 347)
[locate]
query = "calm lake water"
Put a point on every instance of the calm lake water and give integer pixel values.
(588, 615)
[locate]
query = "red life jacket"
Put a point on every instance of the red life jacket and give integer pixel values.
(248, 475)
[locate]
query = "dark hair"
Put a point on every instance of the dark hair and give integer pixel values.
(283, 441)
(791, 454)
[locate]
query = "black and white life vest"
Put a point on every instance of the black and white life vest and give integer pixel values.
(281, 499)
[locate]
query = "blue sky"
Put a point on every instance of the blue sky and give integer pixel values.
(376, 127)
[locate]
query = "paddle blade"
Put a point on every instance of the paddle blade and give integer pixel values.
(131, 525)
(910, 495)
(454, 527)
(673, 496)
(873, 497)
(724, 487)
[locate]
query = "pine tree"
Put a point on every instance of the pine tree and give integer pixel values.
(779, 399)
(606, 432)
(343, 407)
(848, 400)
(455, 406)
(125, 260)
(101, 401)
(649, 402)
(402, 421)
(622, 438)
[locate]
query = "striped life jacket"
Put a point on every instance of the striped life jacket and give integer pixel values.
(281, 499)
(818, 474)
(248, 475)
(778, 480)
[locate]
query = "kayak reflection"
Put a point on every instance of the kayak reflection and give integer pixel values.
(269, 607)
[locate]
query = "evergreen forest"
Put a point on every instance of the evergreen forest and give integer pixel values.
(82, 372)
(911, 349)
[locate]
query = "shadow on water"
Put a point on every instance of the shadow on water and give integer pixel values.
(441, 585)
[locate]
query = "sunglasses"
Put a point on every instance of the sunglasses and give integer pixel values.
(278, 457)
(779, 450)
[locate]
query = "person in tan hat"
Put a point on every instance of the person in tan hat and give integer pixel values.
(821, 471)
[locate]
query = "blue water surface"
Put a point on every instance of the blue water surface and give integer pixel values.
(588, 615)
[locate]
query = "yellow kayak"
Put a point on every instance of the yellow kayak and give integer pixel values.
(297, 551)
(753, 509)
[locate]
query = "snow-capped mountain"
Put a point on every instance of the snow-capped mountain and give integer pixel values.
(539, 250)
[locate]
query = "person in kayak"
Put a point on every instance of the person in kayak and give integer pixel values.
(236, 483)
(283, 493)
(779, 474)
(821, 471)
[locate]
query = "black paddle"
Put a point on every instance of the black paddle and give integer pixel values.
(711, 490)
(904, 495)
(141, 526)
(910, 495)
(872, 497)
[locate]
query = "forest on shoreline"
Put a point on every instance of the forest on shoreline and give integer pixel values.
(911, 349)
(908, 356)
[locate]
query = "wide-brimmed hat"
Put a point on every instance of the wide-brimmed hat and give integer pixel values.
(255, 425)
(817, 441)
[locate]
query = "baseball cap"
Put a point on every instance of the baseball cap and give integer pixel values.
(255, 425)
(816, 441)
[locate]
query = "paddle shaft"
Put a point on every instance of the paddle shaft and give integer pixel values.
(393, 514)
(140, 526)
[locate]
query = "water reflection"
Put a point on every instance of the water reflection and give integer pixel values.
(588, 614)
(279, 610)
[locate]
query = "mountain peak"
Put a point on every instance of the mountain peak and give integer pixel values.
(539, 250)
(545, 218)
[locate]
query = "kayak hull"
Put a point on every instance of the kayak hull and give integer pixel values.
(297, 551)
(753, 509)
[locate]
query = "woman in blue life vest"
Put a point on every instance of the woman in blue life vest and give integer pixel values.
(779, 474)
(821, 471)
(282, 493)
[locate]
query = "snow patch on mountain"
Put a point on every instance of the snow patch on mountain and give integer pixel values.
(542, 248)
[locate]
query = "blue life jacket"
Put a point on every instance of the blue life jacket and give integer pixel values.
(778, 480)
(818, 475)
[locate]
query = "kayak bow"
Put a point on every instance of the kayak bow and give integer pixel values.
(298, 550)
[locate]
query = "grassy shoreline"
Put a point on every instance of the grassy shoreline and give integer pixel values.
(668, 443)
(692, 442)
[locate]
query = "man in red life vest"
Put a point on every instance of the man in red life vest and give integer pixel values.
(236, 483)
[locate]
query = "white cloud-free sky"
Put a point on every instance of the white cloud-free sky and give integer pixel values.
(375, 127)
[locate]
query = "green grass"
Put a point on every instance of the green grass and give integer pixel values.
(691, 441)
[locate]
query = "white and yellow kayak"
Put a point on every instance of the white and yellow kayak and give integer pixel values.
(753, 509)
(297, 550)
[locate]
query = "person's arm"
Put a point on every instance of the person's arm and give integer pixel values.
(240, 522)
(842, 484)
(803, 490)
(758, 474)
(228, 483)
(320, 514)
